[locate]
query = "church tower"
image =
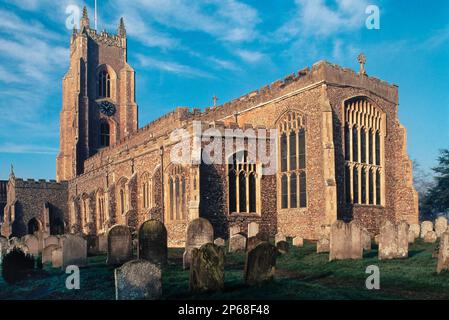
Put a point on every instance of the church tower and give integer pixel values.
(98, 104)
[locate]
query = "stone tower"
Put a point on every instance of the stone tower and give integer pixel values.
(98, 104)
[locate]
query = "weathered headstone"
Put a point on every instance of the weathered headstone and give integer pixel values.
(366, 240)
(345, 241)
(153, 242)
(237, 243)
(103, 242)
(279, 237)
(393, 240)
(443, 254)
(51, 240)
(283, 247)
(430, 237)
(138, 280)
(220, 242)
(426, 226)
(47, 253)
(260, 263)
(207, 268)
(440, 226)
(233, 230)
(323, 244)
(298, 242)
(32, 242)
(56, 258)
(415, 230)
(119, 245)
(253, 229)
(411, 237)
(199, 232)
(74, 250)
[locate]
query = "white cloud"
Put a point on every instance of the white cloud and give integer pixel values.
(171, 67)
(250, 56)
(317, 18)
(27, 148)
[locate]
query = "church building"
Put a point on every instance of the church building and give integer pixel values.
(339, 153)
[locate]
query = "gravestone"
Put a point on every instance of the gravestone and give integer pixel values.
(4, 246)
(253, 242)
(260, 264)
(323, 244)
(298, 242)
(119, 245)
(279, 237)
(47, 253)
(411, 237)
(345, 241)
(220, 242)
(32, 242)
(415, 230)
(51, 240)
(393, 240)
(56, 258)
(253, 229)
(207, 268)
(199, 232)
(234, 230)
(443, 254)
(237, 243)
(74, 251)
(366, 240)
(426, 226)
(138, 280)
(430, 237)
(153, 242)
(283, 247)
(440, 226)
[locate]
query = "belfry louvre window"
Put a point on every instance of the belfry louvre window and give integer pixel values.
(292, 149)
(104, 84)
(243, 184)
(364, 171)
(177, 207)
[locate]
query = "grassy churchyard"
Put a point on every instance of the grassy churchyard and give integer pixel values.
(300, 274)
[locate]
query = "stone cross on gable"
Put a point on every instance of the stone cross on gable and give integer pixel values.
(215, 99)
(362, 60)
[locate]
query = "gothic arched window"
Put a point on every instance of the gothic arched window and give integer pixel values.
(177, 190)
(104, 84)
(292, 176)
(100, 210)
(105, 134)
(363, 152)
(243, 184)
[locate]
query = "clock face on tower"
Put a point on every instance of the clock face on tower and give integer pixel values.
(107, 108)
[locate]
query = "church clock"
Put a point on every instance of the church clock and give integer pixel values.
(107, 108)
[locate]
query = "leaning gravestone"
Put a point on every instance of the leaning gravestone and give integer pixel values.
(74, 251)
(393, 240)
(345, 241)
(207, 268)
(153, 242)
(430, 237)
(260, 263)
(237, 243)
(253, 229)
(32, 242)
(440, 226)
(47, 253)
(426, 226)
(138, 280)
(443, 254)
(119, 245)
(199, 232)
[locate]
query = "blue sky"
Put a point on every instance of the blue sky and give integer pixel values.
(186, 51)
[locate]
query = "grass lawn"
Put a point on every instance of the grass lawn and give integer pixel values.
(300, 274)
